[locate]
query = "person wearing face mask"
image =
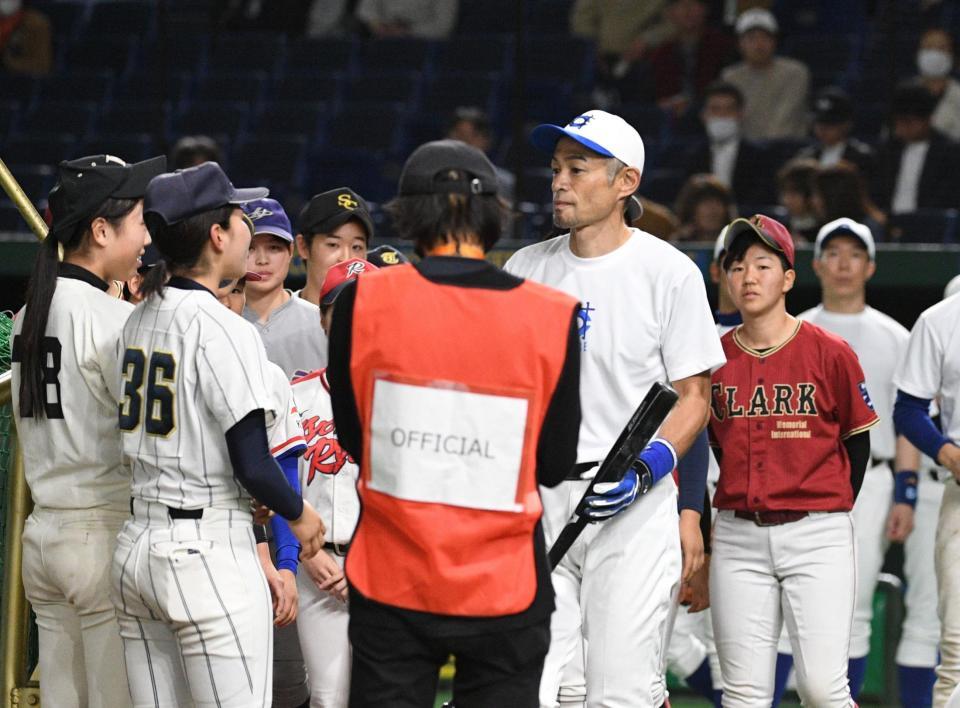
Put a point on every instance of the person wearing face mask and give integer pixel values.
(25, 45)
(935, 62)
(737, 162)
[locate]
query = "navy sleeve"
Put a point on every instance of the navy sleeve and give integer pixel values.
(557, 446)
(288, 547)
(255, 468)
(692, 468)
(911, 418)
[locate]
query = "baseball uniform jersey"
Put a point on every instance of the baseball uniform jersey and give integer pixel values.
(292, 336)
(644, 317)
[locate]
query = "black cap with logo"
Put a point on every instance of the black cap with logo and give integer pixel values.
(385, 256)
(329, 210)
(83, 185)
(833, 106)
(426, 170)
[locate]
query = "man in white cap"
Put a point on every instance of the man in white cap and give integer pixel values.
(844, 260)
(775, 88)
(644, 317)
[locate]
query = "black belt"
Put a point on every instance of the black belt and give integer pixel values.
(874, 461)
(339, 549)
(178, 513)
(577, 471)
(771, 518)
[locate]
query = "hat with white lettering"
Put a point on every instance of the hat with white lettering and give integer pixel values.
(268, 217)
(845, 227)
(339, 275)
(606, 134)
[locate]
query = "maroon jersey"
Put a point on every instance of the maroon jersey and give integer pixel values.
(780, 417)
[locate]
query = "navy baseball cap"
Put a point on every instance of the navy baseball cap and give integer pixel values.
(386, 256)
(425, 171)
(175, 196)
(86, 183)
(268, 217)
(606, 134)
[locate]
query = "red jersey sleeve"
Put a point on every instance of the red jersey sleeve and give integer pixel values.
(855, 412)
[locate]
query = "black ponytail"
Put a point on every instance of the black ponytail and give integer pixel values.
(180, 245)
(40, 290)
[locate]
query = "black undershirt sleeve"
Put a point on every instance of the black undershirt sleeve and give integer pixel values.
(557, 446)
(257, 471)
(706, 519)
(345, 413)
(858, 450)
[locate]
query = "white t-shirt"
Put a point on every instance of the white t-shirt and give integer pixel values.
(328, 475)
(73, 461)
(931, 366)
(879, 342)
(207, 370)
(644, 318)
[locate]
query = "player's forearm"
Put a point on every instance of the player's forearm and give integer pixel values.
(906, 457)
(690, 415)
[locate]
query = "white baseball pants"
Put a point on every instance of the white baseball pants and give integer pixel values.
(322, 625)
(615, 588)
(947, 561)
(195, 610)
(66, 577)
(802, 573)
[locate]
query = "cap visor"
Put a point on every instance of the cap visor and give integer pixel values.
(248, 194)
(742, 226)
(279, 233)
(339, 219)
(331, 296)
(135, 186)
(544, 138)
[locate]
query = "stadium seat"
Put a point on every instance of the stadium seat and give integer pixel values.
(121, 17)
(48, 149)
(20, 88)
(310, 86)
(172, 87)
(560, 56)
(66, 18)
(246, 51)
(294, 118)
(75, 86)
(360, 169)
(322, 55)
(10, 219)
(131, 147)
(662, 185)
(480, 53)
(141, 116)
(213, 118)
(396, 55)
(270, 161)
(923, 226)
(448, 91)
(535, 186)
(830, 59)
(114, 54)
(232, 86)
(173, 53)
(36, 181)
(9, 117)
(376, 128)
(488, 16)
(55, 116)
(392, 87)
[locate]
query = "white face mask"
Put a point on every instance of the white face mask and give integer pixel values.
(8, 7)
(934, 63)
(722, 129)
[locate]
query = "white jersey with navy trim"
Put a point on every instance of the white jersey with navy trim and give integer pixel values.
(879, 342)
(189, 371)
(72, 455)
(285, 434)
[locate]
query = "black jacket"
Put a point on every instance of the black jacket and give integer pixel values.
(856, 152)
(753, 182)
(939, 178)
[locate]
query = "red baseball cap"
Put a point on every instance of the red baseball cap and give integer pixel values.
(770, 231)
(341, 274)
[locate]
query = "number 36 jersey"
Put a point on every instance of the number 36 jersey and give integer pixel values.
(72, 454)
(189, 370)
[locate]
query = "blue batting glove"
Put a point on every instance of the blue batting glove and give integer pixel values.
(610, 498)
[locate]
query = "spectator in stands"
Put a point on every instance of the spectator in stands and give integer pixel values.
(832, 123)
(917, 166)
(776, 88)
(193, 150)
(683, 67)
(423, 19)
(840, 191)
(704, 206)
(327, 18)
(737, 162)
(25, 39)
(288, 16)
(795, 182)
(935, 62)
(623, 32)
(471, 125)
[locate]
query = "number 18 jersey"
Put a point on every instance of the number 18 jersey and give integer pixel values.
(72, 455)
(189, 370)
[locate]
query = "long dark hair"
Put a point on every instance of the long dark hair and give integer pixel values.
(43, 283)
(180, 245)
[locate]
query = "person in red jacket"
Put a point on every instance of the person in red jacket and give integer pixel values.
(789, 419)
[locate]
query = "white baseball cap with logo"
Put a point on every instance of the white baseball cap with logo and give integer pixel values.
(604, 133)
(845, 227)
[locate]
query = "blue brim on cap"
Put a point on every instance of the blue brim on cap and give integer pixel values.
(544, 137)
(248, 194)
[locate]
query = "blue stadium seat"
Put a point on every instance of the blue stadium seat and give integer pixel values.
(480, 53)
(76, 86)
(649, 120)
(172, 87)
(249, 86)
(36, 181)
(392, 87)
(115, 54)
(487, 16)
(662, 185)
(131, 147)
(326, 55)
(294, 118)
(448, 91)
(66, 18)
(173, 52)
(357, 168)
(923, 226)
(121, 17)
(10, 219)
(213, 118)
(310, 86)
(830, 59)
(270, 161)
(560, 57)
(376, 128)
(55, 116)
(139, 116)
(536, 186)
(9, 117)
(396, 55)
(246, 51)
(48, 149)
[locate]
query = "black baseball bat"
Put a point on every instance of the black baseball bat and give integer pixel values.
(643, 424)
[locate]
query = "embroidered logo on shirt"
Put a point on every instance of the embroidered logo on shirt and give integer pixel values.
(324, 454)
(866, 396)
(584, 322)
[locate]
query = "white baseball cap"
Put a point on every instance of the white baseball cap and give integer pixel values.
(604, 133)
(720, 245)
(953, 287)
(757, 18)
(848, 227)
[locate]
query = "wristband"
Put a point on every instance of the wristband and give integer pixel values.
(260, 533)
(905, 488)
(660, 458)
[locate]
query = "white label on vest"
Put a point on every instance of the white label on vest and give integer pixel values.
(447, 446)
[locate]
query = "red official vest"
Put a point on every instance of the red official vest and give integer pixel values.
(452, 385)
